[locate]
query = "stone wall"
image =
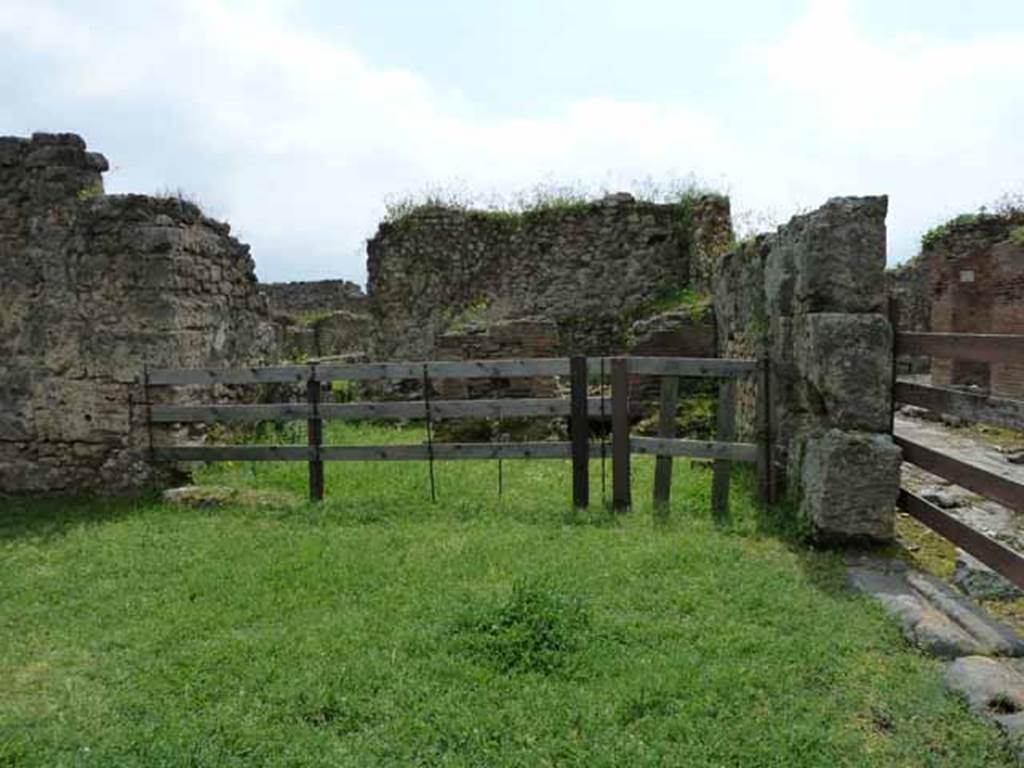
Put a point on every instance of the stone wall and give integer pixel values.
(976, 285)
(320, 318)
(95, 286)
(329, 335)
(812, 296)
(525, 337)
(315, 297)
(591, 269)
(910, 290)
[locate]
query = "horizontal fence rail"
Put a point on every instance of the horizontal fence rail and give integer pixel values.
(969, 476)
(691, 366)
(370, 411)
(1000, 411)
(694, 449)
(415, 452)
(973, 407)
(996, 556)
(579, 408)
(974, 347)
(442, 369)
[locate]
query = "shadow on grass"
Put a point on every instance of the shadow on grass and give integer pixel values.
(821, 564)
(53, 517)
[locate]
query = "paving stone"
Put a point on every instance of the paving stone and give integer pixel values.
(200, 495)
(994, 690)
(933, 617)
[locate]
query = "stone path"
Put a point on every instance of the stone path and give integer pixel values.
(932, 615)
(985, 664)
(937, 435)
(987, 516)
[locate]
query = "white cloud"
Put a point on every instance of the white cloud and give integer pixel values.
(298, 140)
(933, 122)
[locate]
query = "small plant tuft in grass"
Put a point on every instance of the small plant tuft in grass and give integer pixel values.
(536, 629)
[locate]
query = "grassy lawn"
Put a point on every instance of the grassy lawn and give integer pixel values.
(379, 629)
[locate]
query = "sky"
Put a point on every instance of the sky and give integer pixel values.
(298, 122)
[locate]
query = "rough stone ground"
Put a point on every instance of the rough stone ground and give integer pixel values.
(987, 516)
(935, 617)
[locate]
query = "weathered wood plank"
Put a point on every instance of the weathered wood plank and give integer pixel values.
(232, 453)
(621, 493)
(447, 369)
(315, 435)
(364, 411)
(206, 376)
(973, 407)
(996, 556)
(579, 432)
(442, 451)
(695, 449)
(977, 347)
(454, 409)
(725, 433)
(764, 433)
(666, 429)
(447, 451)
(230, 413)
(691, 366)
(970, 476)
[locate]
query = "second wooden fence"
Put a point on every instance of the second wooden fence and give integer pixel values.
(580, 408)
(972, 407)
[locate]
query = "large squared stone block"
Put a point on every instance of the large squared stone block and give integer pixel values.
(832, 259)
(845, 362)
(849, 481)
(80, 411)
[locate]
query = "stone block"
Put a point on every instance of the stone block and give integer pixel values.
(830, 260)
(849, 482)
(845, 361)
(86, 411)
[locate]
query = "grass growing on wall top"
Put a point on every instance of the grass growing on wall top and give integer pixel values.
(379, 629)
(542, 198)
(1008, 206)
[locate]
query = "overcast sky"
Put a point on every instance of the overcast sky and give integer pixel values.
(298, 121)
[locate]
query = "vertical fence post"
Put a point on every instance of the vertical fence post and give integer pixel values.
(315, 433)
(666, 428)
(725, 433)
(621, 497)
(579, 428)
(764, 444)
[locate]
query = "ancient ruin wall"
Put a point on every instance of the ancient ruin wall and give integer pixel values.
(976, 285)
(812, 297)
(319, 318)
(93, 287)
(591, 269)
(315, 297)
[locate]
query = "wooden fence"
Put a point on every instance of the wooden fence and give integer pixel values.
(972, 407)
(579, 408)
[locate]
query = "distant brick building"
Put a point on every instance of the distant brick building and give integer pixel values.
(976, 285)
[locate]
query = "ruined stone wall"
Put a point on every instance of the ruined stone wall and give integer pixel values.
(910, 290)
(812, 296)
(315, 297)
(976, 285)
(95, 286)
(331, 335)
(526, 337)
(320, 318)
(592, 269)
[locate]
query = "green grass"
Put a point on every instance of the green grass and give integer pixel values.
(381, 629)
